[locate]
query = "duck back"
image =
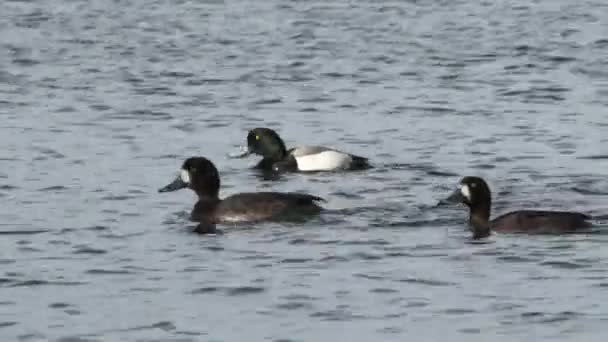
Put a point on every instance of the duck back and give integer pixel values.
(539, 221)
(263, 206)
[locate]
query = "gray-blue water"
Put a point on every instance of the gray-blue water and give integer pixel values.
(100, 101)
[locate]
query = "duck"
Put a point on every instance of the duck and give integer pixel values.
(201, 176)
(475, 193)
(277, 158)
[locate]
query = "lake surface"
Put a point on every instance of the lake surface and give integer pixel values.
(100, 102)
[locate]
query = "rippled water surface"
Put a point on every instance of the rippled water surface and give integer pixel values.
(101, 101)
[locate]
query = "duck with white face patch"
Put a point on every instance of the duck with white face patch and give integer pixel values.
(200, 175)
(475, 193)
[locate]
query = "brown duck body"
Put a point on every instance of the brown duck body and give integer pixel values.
(256, 207)
(540, 222)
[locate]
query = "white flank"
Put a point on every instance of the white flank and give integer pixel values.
(323, 161)
(236, 218)
(464, 189)
(185, 176)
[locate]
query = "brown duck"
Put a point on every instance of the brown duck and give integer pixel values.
(200, 175)
(475, 193)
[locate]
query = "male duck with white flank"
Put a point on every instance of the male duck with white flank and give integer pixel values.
(276, 157)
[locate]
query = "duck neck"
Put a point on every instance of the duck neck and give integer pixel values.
(273, 155)
(270, 159)
(208, 197)
(479, 220)
(207, 189)
(276, 151)
(203, 210)
(266, 163)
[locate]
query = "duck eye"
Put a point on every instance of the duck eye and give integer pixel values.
(473, 185)
(257, 137)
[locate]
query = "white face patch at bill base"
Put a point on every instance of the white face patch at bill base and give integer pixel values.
(464, 189)
(185, 176)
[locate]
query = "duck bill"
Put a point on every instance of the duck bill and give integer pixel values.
(243, 152)
(455, 197)
(177, 184)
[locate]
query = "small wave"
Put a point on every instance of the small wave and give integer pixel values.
(230, 291)
(7, 324)
(36, 282)
(429, 282)
(23, 232)
(563, 264)
(89, 250)
(107, 272)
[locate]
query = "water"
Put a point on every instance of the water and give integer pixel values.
(101, 101)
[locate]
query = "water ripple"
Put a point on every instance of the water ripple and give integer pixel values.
(100, 104)
(231, 291)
